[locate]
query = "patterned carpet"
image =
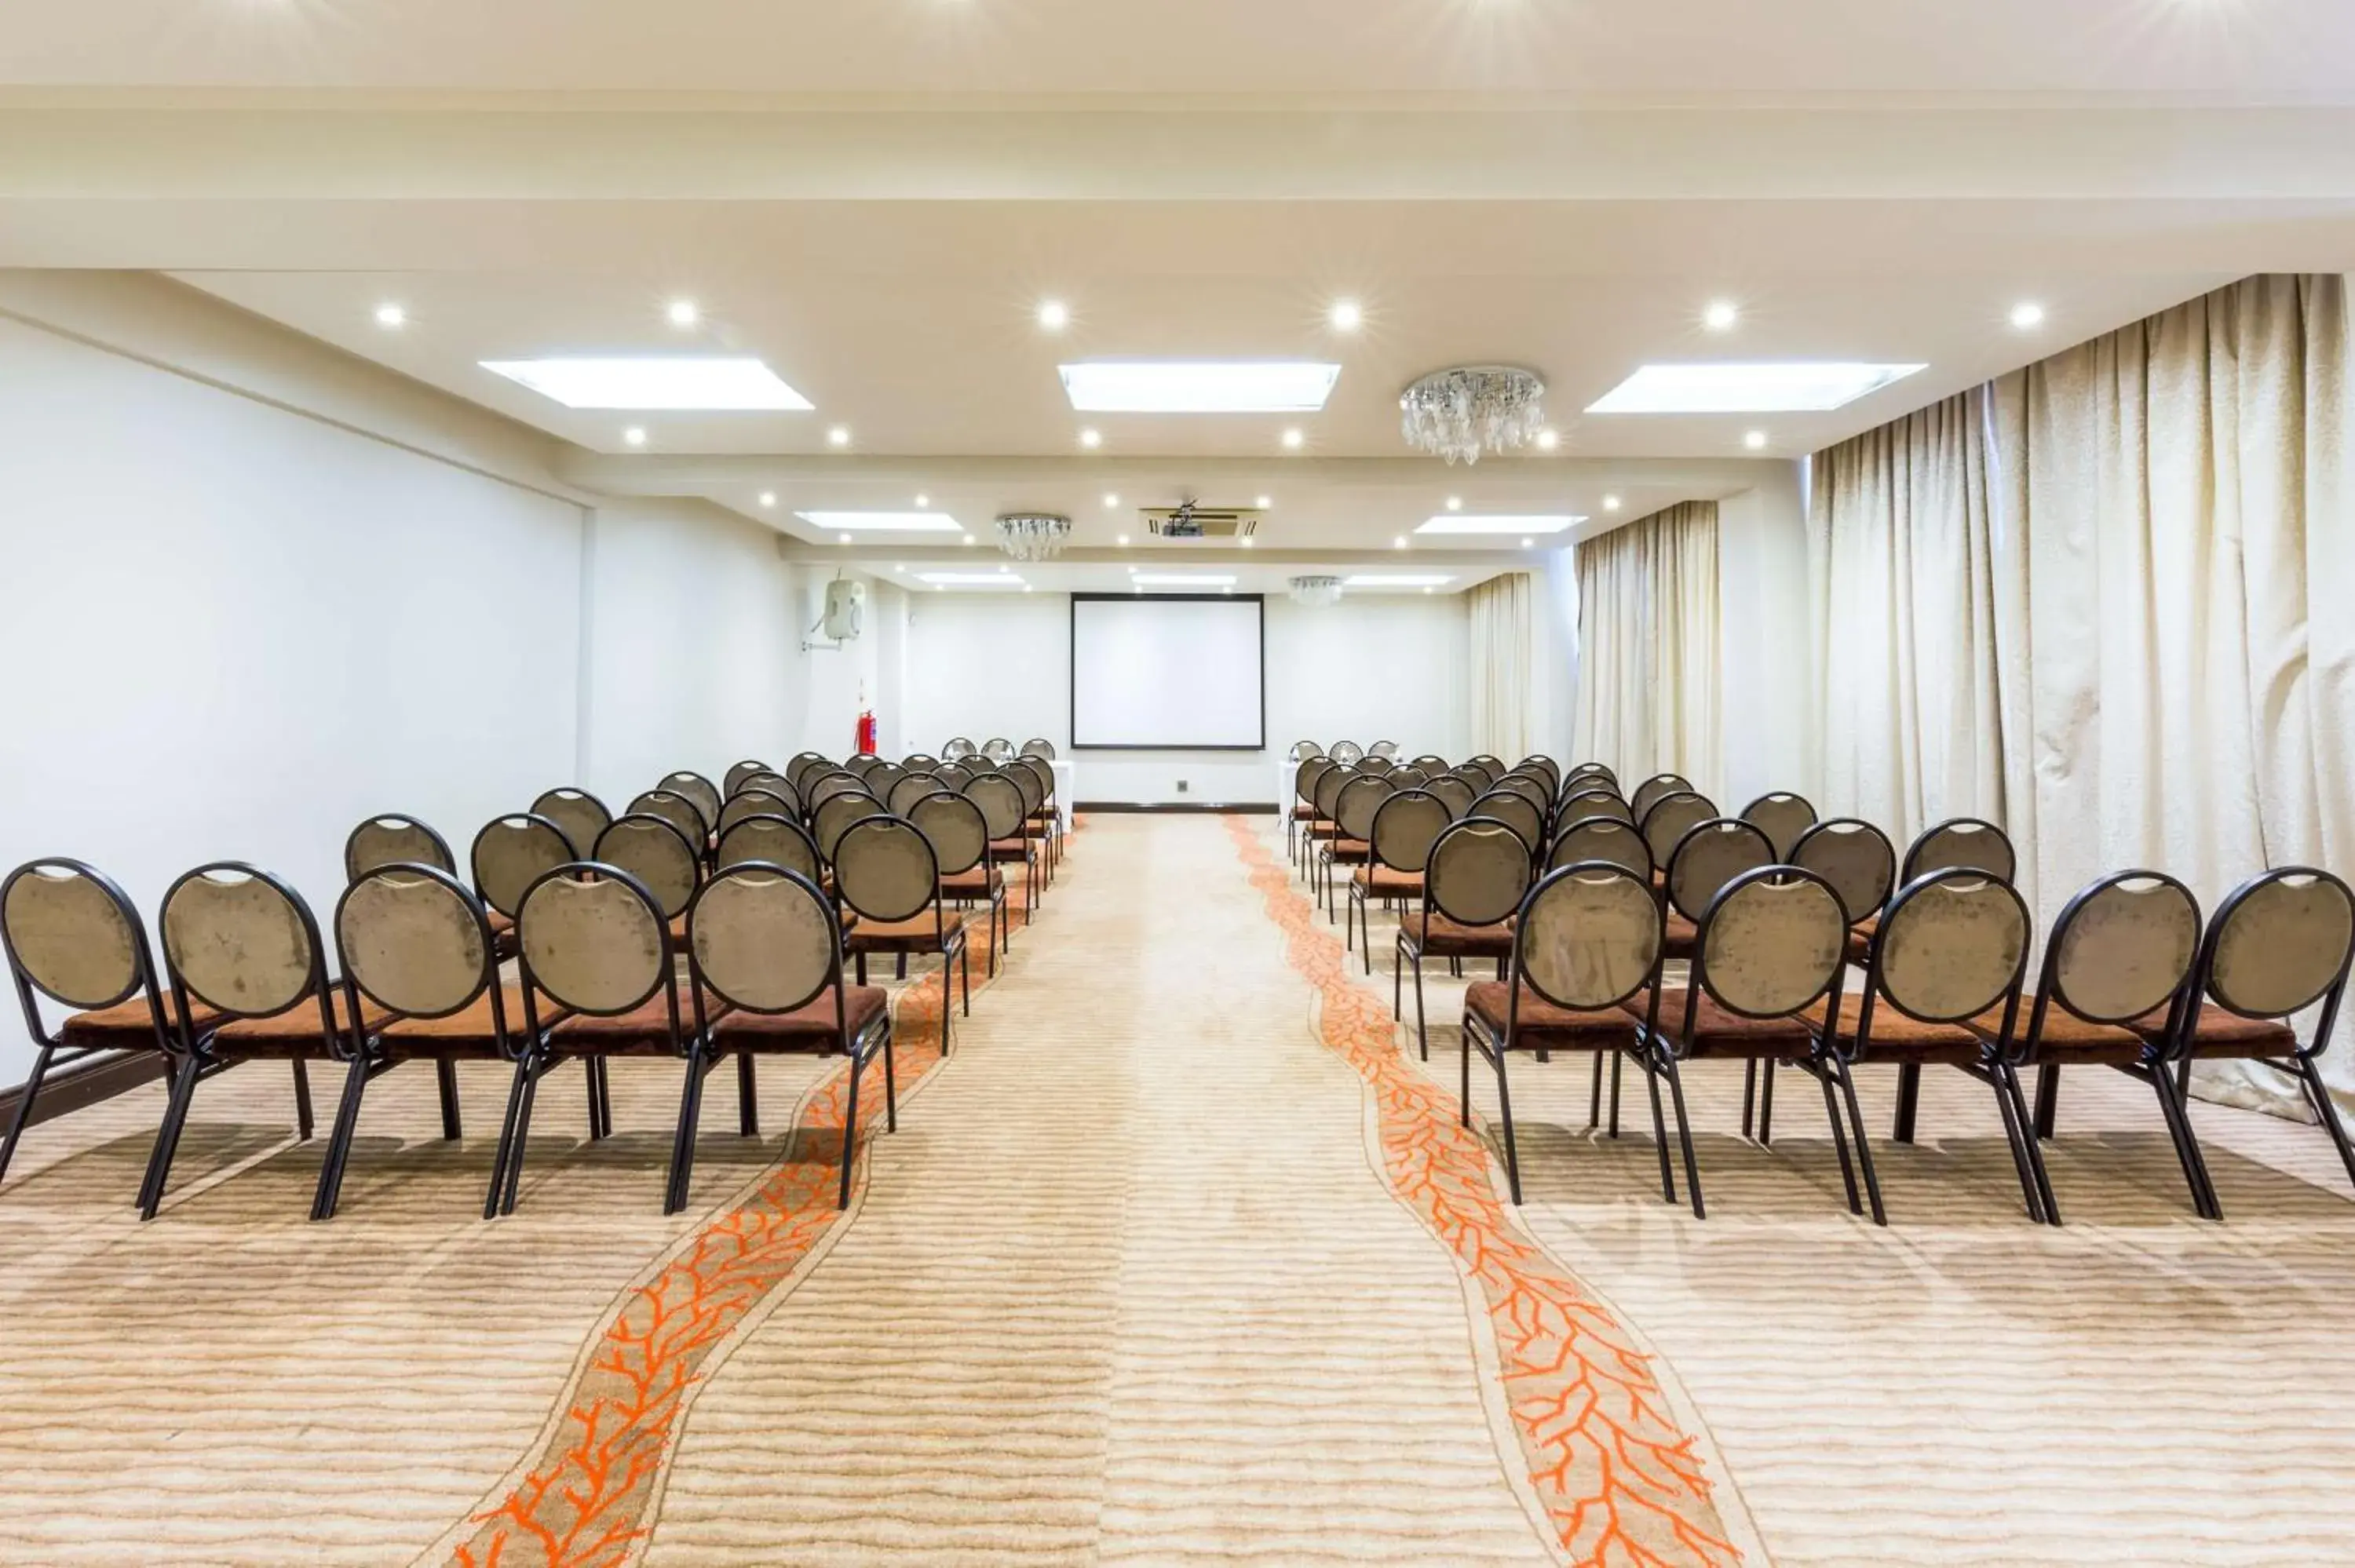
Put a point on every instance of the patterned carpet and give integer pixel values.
(1177, 1259)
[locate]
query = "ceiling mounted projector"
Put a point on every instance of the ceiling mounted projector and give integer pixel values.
(1192, 520)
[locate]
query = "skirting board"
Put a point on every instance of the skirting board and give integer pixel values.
(1248, 809)
(84, 1084)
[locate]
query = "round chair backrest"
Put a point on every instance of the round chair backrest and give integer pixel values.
(1304, 776)
(735, 778)
(1588, 936)
(997, 749)
(2122, 947)
(1588, 803)
(1671, 818)
(1369, 763)
(1494, 766)
(701, 792)
(1542, 767)
(978, 765)
(912, 787)
(393, 840)
(955, 829)
(1348, 752)
(775, 784)
(513, 852)
(1384, 748)
(657, 854)
(1965, 843)
(1530, 786)
(762, 939)
(958, 749)
(1478, 872)
(1603, 839)
(1952, 945)
(820, 788)
(578, 815)
(240, 940)
(1709, 857)
(1479, 775)
(1517, 812)
(2280, 942)
(1407, 776)
(1855, 857)
(71, 933)
(882, 778)
(1453, 793)
(1773, 941)
(1405, 827)
(414, 941)
(951, 776)
(1301, 751)
(1435, 766)
(1026, 783)
(1782, 816)
(921, 762)
(599, 942)
(1590, 775)
(801, 767)
(1652, 788)
(884, 869)
(773, 841)
(1359, 799)
(1040, 768)
(1000, 800)
(1039, 746)
(675, 808)
(863, 764)
(751, 804)
(836, 813)
(1328, 789)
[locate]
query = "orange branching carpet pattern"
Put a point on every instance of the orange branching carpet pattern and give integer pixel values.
(587, 1500)
(1619, 1480)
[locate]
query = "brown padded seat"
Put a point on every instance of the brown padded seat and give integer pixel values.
(1678, 935)
(1899, 1034)
(503, 933)
(128, 1025)
(644, 1030)
(2223, 1033)
(468, 1029)
(1009, 849)
(1545, 1027)
(2066, 1036)
(982, 879)
(1860, 940)
(1717, 1033)
(295, 1031)
(1440, 938)
(1385, 882)
(1352, 849)
(920, 933)
(812, 1025)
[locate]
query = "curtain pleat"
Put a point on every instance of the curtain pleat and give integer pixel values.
(1647, 636)
(1502, 630)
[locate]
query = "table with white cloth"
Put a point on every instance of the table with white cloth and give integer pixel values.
(1067, 789)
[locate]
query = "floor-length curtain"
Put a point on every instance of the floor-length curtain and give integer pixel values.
(1502, 664)
(2160, 590)
(1647, 647)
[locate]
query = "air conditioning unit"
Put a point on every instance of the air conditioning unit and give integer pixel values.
(846, 609)
(1192, 520)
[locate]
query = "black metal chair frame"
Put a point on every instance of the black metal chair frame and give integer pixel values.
(1408, 949)
(352, 838)
(1361, 920)
(951, 943)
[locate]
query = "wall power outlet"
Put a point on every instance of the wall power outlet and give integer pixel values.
(1181, 786)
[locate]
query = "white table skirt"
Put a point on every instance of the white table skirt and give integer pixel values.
(1067, 789)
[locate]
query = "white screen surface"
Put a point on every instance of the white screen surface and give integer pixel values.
(1169, 673)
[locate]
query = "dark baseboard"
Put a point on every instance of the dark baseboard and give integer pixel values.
(69, 1089)
(1249, 809)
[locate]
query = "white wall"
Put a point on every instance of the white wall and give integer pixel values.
(1764, 711)
(1371, 668)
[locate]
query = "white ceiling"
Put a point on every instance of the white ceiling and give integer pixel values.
(874, 197)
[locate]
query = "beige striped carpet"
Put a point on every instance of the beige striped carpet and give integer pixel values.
(1174, 1260)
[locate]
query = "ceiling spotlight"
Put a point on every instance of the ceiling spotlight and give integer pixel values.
(2027, 314)
(1399, 542)
(842, 538)
(1756, 440)
(1456, 503)
(1721, 315)
(768, 498)
(1090, 438)
(1112, 498)
(1122, 540)
(839, 437)
(391, 317)
(1431, 590)
(1247, 541)
(1054, 315)
(1528, 544)
(1610, 503)
(684, 312)
(968, 538)
(899, 566)
(1345, 316)
(1293, 437)
(1549, 439)
(635, 435)
(923, 501)
(1264, 501)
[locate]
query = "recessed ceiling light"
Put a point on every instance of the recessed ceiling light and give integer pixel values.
(684, 312)
(1122, 540)
(2027, 314)
(923, 501)
(703, 383)
(1528, 544)
(635, 435)
(839, 437)
(1198, 386)
(1293, 437)
(968, 538)
(391, 316)
(1399, 542)
(1247, 541)
(1548, 439)
(1004, 570)
(1182, 579)
(1431, 590)
(1026, 587)
(970, 579)
(842, 539)
(768, 498)
(1808, 385)
(1721, 315)
(1499, 522)
(1610, 503)
(1345, 316)
(1112, 498)
(1090, 438)
(1264, 501)
(1456, 503)
(899, 566)
(1395, 580)
(1054, 315)
(1756, 440)
(882, 522)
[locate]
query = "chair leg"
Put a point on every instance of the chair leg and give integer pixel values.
(890, 1087)
(964, 979)
(1505, 1112)
(850, 1110)
(445, 1083)
(1749, 1092)
(899, 967)
(522, 1138)
(1909, 1101)
(1766, 1105)
(1595, 1100)
(1863, 1149)
(2048, 1099)
(1350, 921)
(1684, 1133)
(2187, 1143)
(1463, 1089)
(1839, 1139)
(1618, 1062)
(24, 1110)
(2029, 1145)
(507, 1138)
(2016, 1133)
(1422, 1034)
(2327, 1112)
(301, 1099)
(748, 1097)
(339, 1141)
(1397, 979)
(690, 1113)
(1659, 1123)
(168, 1140)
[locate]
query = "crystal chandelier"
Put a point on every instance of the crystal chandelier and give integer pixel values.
(1317, 590)
(1472, 410)
(1032, 535)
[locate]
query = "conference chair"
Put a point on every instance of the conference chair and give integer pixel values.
(699, 791)
(1346, 752)
(1493, 765)
(2279, 945)
(75, 937)
(886, 872)
(1709, 857)
(817, 788)
(1040, 747)
(1951, 960)
(1587, 939)
(733, 779)
(1455, 793)
(925, 762)
(1407, 776)
(2123, 949)
(1596, 771)
(952, 776)
(1857, 860)
(1371, 763)
(1479, 775)
(1354, 805)
(241, 945)
(677, 810)
(1301, 751)
(1530, 786)
(836, 813)
(1769, 946)
(775, 784)
(912, 787)
(1964, 842)
(803, 764)
(959, 835)
(1515, 811)
(958, 749)
(997, 749)
(420, 972)
(884, 777)
(1544, 767)
(1435, 766)
(1323, 828)
(863, 764)
(1606, 838)
(773, 841)
(577, 813)
(1652, 788)
(1782, 816)
(657, 859)
(1303, 816)
(1669, 818)
(1405, 826)
(1034, 780)
(1385, 749)
(748, 803)
(507, 856)
(764, 963)
(390, 839)
(1004, 812)
(1477, 876)
(1586, 803)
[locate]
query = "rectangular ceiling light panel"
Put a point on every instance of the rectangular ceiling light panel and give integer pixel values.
(971, 579)
(1198, 386)
(1477, 523)
(883, 522)
(1810, 386)
(700, 384)
(1191, 579)
(1395, 580)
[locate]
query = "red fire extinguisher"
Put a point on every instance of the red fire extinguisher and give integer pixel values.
(866, 741)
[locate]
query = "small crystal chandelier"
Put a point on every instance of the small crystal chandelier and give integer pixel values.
(1319, 591)
(1472, 410)
(1032, 535)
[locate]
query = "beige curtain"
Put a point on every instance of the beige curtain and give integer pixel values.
(2119, 582)
(1647, 647)
(1502, 663)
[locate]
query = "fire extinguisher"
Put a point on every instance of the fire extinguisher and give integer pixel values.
(864, 746)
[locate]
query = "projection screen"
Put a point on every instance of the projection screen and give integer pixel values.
(1167, 672)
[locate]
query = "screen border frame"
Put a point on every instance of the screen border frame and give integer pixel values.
(1258, 600)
